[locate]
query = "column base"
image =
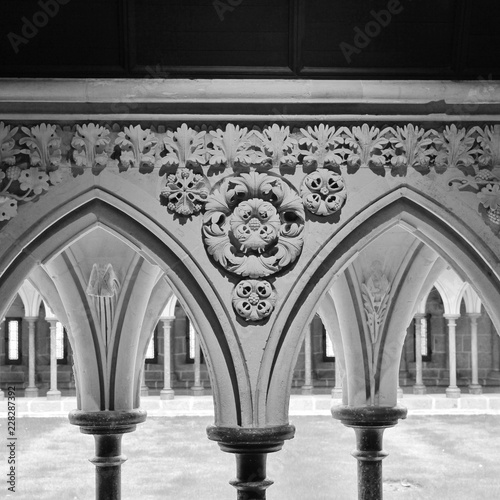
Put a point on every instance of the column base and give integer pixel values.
(167, 394)
(419, 389)
(31, 392)
(337, 393)
(306, 389)
(144, 391)
(452, 392)
(475, 389)
(400, 393)
(197, 390)
(53, 394)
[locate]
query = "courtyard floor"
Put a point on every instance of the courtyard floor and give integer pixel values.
(431, 457)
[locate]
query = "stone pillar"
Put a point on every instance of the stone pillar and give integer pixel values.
(144, 387)
(452, 391)
(474, 387)
(337, 390)
(307, 388)
(197, 388)
(420, 331)
(167, 392)
(107, 427)
(31, 391)
(251, 446)
(495, 356)
(53, 392)
(369, 424)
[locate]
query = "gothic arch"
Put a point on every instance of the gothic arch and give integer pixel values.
(99, 208)
(428, 221)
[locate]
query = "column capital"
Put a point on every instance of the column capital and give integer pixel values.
(451, 316)
(361, 416)
(420, 315)
(473, 315)
(31, 318)
(107, 421)
(167, 320)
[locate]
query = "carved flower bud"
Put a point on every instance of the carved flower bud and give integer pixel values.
(13, 173)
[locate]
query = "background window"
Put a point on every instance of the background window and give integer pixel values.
(426, 338)
(191, 344)
(328, 352)
(61, 344)
(13, 333)
(152, 351)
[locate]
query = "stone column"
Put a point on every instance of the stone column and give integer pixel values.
(107, 427)
(31, 391)
(452, 391)
(307, 388)
(474, 387)
(337, 390)
(197, 388)
(251, 446)
(420, 331)
(495, 356)
(167, 392)
(144, 387)
(53, 392)
(369, 424)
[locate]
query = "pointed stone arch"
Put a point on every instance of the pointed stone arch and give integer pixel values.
(96, 208)
(438, 228)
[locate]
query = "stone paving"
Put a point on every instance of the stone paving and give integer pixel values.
(432, 404)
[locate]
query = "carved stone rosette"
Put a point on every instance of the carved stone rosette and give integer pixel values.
(253, 225)
(185, 192)
(323, 192)
(254, 300)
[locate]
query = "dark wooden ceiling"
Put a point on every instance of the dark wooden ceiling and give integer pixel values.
(452, 39)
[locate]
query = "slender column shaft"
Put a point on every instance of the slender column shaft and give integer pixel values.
(251, 481)
(144, 387)
(474, 387)
(307, 387)
(108, 460)
(53, 392)
(31, 390)
(369, 424)
(167, 391)
(197, 387)
(420, 331)
(452, 391)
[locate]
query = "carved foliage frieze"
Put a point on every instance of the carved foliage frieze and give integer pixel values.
(254, 300)
(253, 224)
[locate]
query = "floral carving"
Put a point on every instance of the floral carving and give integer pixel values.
(253, 224)
(375, 292)
(324, 146)
(412, 146)
(323, 192)
(89, 143)
(185, 192)
(489, 139)
(185, 147)
(137, 146)
(8, 207)
(43, 146)
(455, 147)
(231, 147)
(366, 145)
(254, 300)
(490, 198)
(8, 151)
(277, 147)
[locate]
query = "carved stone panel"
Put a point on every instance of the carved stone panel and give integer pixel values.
(254, 300)
(323, 192)
(253, 225)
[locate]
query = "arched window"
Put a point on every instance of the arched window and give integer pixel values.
(61, 344)
(13, 340)
(152, 351)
